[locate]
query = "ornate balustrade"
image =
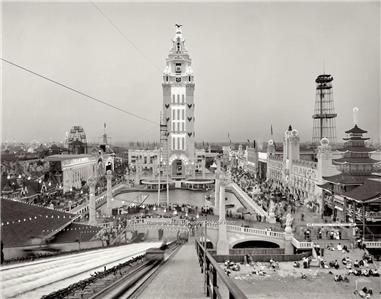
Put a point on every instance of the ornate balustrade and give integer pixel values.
(301, 245)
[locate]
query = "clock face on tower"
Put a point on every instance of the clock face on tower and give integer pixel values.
(178, 79)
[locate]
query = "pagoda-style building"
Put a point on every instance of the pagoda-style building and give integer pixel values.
(354, 195)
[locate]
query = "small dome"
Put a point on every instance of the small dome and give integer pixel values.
(270, 142)
(324, 141)
(294, 132)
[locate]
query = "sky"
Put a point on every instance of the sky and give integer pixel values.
(255, 66)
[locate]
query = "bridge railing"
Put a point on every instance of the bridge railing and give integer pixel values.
(372, 244)
(215, 274)
(302, 245)
(248, 200)
(99, 201)
(250, 230)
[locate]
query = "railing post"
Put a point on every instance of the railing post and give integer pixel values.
(214, 283)
(207, 278)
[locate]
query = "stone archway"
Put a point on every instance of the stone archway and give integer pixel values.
(178, 164)
(178, 168)
(255, 244)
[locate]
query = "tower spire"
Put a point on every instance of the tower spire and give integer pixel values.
(355, 115)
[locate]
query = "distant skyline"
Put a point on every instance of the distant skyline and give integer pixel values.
(254, 64)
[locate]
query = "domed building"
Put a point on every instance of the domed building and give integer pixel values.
(76, 141)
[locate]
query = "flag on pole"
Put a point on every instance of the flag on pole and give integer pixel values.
(105, 125)
(271, 130)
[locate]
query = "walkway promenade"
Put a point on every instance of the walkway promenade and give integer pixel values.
(180, 277)
(248, 201)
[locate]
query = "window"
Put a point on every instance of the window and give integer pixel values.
(178, 68)
(173, 98)
(182, 115)
(166, 78)
(178, 114)
(189, 78)
(178, 99)
(182, 144)
(182, 127)
(173, 114)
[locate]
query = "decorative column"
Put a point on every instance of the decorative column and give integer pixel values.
(92, 210)
(271, 218)
(345, 208)
(109, 193)
(222, 243)
(137, 177)
(203, 167)
(288, 235)
(217, 192)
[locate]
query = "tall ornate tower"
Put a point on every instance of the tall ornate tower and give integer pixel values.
(178, 108)
(324, 124)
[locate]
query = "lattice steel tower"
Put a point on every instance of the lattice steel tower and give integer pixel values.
(324, 124)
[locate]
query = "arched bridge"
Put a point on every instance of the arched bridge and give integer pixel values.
(235, 234)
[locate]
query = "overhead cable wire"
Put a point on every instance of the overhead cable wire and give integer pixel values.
(124, 36)
(78, 92)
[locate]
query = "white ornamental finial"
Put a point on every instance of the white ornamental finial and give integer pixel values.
(355, 114)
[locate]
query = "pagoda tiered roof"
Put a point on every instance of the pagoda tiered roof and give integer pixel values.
(356, 130)
(345, 179)
(356, 138)
(356, 149)
(370, 190)
(355, 160)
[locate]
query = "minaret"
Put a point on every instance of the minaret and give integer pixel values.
(178, 107)
(324, 124)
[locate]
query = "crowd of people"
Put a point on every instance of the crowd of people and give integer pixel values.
(270, 196)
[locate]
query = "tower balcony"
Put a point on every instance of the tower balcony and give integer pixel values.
(324, 115)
